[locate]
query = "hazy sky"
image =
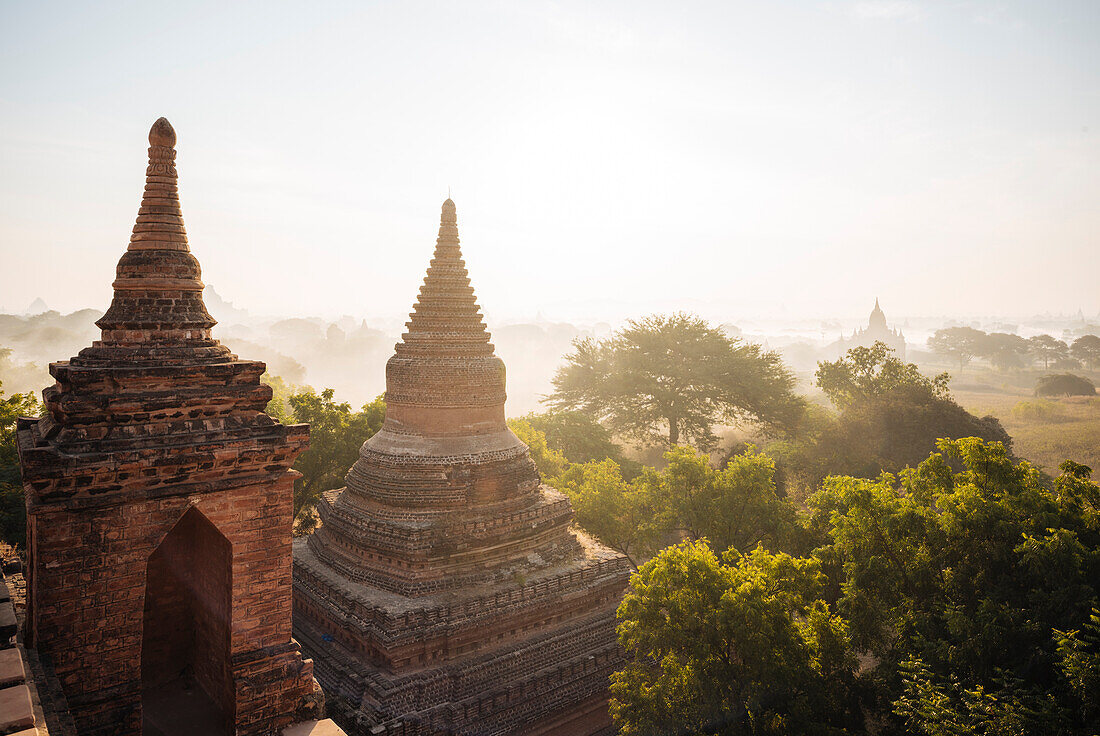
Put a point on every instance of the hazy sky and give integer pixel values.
(607, 159)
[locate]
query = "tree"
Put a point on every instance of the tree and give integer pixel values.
(13, 514)
(742, 645)
(576, 435)
(675, 374)
(958, 343)
(735, 507)
(1079, 663)
(281, 391)
(1007, 352)
(1048, 349)
(619, 513)
(933, 706)
(973, 573)
(550, 462)
(580, 438)
(865, 374)
(1087, 350)
(336, 433)
(889, 417)
(1064, 384)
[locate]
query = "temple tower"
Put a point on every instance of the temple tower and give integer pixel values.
(877, 330)
(445, 591)
(159, 510)
(877, 321)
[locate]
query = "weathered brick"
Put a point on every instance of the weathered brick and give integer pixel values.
(445, 591)
(150, 468)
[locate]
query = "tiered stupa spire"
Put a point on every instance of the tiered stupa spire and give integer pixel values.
(446, 339)
(159, 507)
(158, 284)
(446, 318)
(445, 591)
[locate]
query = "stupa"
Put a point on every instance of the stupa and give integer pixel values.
(159, 510)
(445, 591)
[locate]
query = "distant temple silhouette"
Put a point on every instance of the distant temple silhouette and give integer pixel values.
(877, 331)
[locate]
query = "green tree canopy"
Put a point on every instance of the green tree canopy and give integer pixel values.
(674, 377)
(734, 507)
(958, 343)
(742, 645)
(973, 573)
(866, 374)
(335, 435)
(970, 594)
(13, 514)
(578, 438)
(576, 434)
(550, 462)
(618, 512)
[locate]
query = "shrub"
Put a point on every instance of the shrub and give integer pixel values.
(1042, 412)
(1064, 384)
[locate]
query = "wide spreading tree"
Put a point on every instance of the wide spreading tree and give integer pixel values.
(888, 416)
(1049, 350)
(672, 379)
(1087, 350)
(1006, 351)
(959, 343)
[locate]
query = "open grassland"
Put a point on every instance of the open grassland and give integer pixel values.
(1044, 431)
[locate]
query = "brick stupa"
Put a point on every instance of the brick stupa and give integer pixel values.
(445, 591)
(159, 500)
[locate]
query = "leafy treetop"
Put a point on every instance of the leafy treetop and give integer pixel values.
(674, 377)
(867, 373)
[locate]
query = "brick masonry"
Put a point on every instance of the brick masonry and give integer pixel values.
(445, 591)
(159, 499)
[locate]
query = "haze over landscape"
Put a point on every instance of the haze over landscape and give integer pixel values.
(741, 160)
(550, 368)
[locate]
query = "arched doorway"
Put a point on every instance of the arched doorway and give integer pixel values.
(187, 684)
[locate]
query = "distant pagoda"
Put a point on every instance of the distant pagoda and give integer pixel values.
(877, 330)
(445, 591)
(159, 510)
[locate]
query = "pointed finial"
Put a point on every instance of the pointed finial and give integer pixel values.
(162, 134)
(876, 303)
(158, 283)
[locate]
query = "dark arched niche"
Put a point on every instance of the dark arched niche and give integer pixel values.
(187, 684)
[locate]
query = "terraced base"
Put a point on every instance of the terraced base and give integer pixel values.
(482, 662)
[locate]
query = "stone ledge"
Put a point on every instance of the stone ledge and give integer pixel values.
(11, 668)
(314, 728)
(16, 712)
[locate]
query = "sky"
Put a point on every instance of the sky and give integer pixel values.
(608, 159)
